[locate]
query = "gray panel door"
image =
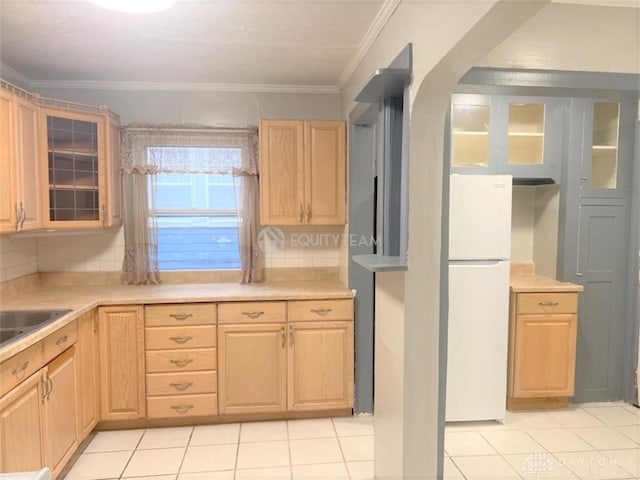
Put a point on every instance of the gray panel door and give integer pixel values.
(601, 316)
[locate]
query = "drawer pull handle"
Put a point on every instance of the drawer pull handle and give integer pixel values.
(183, 339)
(181, 385)
(180, 316)
(181, 408)
(62, 340)
(548, 304)
(182, 363)
(253, 314)
(21, 368)
(321, 311)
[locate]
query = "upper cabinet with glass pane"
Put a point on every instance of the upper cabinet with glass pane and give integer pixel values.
(607, 154)
(516, 135)
(80, 149)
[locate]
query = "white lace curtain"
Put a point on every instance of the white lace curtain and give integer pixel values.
(140, 164)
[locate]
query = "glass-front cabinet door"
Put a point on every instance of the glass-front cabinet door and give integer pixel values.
(473, 148)
(607, 153)
(75, 159)
(532, 133)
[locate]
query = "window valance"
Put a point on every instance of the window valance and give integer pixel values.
(169, 149)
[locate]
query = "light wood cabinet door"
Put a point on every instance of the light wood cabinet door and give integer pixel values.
(87, 368)
(320, 365)
(113, 175)
(21, 427)
(8, 206)
(544, 356)
(281, 172)
(252, 368)
(325, 170)
(122, 362)
(27, 164)
(60, 412)
(73, 168)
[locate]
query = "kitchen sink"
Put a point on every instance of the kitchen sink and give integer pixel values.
(17, 323)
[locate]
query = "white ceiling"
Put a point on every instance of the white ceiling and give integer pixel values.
(273, 42)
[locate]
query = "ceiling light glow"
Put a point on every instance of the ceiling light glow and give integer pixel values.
(135, 6)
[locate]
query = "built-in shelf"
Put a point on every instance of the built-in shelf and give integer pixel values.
(381, 263)
(73, 187)
(77, 153)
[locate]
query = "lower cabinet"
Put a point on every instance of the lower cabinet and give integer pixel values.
(88, 373)
(122, 362)
(252, 365)
(542, 349)
(304, 362)
(59, 411)
(21, 428)
(320, 366)
(38, 418)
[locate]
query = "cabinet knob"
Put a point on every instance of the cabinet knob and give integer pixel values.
(253, 314)
(301, 214)
(308, 212)
(180, 316)
(21, 368)
(321, 311)
(62, 340)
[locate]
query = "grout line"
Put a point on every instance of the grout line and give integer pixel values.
(235, 465)
(186, 449)
(344, 460)
(135, 449)
(289, 450)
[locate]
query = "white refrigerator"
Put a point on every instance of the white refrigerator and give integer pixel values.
(479, 251)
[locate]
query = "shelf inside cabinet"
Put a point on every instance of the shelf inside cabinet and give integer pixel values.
(73, 187)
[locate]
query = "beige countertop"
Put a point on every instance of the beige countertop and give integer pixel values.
(81, 299)
(524, 279)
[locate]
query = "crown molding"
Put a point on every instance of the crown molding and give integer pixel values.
(184, 87)
(13, 76)
(381, 19)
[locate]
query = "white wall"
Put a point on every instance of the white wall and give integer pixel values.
(574, 37)
(522, 224)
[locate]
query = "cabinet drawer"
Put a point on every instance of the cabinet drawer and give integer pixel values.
(20, 367)
(180, 314)
(181, 360)
(59, 341)
(182, 406)
(161, 338)
(182, 383)
(318, 310)
(253, 312)
(538, 303)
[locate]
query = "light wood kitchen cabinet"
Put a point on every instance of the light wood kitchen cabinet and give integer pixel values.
(302, 172)
(21, 201)
(88, 373)
(320, 365)
(8, 210)
(252, 365)
(122, 362)
(542, 349)
(59, 411)
(21, 427)
(77, 169)
(303, 362)
(181, 360)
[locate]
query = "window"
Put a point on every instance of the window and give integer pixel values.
(196, 216)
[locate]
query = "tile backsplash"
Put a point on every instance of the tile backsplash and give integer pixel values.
(18, 257)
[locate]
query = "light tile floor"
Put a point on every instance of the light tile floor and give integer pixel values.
(589, 441)
(338, 448)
